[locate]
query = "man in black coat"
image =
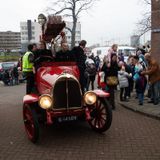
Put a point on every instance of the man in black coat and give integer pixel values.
(64, 55)
(80, 58)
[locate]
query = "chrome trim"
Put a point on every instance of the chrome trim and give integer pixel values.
(66, 76)
(73, 108)
(48, 96)
(87, 93)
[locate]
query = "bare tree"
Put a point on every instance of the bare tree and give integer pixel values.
(71, 8)
(144, 25)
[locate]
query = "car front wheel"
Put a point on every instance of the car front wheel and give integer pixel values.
(31, 122)
(101, 116)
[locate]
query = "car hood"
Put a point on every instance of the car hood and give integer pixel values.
(46, 76)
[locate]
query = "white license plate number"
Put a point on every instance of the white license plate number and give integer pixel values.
(67, 118)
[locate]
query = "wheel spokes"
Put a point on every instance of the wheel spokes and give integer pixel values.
(28, 120)
(100, 118)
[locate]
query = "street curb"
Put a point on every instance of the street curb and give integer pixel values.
(140, 112)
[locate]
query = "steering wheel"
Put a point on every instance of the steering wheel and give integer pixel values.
(44, 58)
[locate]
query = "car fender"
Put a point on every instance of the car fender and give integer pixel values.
(101, 93)
(30, 98)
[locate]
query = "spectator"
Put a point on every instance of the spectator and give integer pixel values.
(90, 73)
(6, 78)
(123, 83)
(11, 77)
(142, 59)
(148, 48)
(15, 75)
(111, 70)
(140, 80)
(97, 62)
(121, 57)
(131, 82)
(153, 71)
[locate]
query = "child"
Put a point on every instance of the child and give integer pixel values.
(123, 83)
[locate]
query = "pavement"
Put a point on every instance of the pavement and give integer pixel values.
(148, 109)
(130, 137)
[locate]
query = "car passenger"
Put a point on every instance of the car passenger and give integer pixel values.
(42, 51)
(41, 54)
(64, 54)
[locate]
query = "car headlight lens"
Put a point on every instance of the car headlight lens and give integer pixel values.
(90, 98)
(45, 101)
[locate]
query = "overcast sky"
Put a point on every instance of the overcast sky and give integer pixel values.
(108, 20)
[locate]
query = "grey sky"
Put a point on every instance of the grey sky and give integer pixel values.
(108, 20)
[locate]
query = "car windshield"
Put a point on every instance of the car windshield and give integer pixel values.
(7, 65)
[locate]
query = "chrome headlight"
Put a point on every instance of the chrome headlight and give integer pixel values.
(45, 101)
(90, 98)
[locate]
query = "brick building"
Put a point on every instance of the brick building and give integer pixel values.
(156, 29)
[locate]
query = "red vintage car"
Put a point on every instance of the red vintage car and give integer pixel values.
(59, 98)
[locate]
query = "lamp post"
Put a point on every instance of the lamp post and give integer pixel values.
(42, 20)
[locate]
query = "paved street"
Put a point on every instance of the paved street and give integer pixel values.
(132, 136)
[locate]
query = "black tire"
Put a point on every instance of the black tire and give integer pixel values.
(31, 123)
(101, 116)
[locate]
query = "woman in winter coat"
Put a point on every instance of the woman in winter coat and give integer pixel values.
(111, 70)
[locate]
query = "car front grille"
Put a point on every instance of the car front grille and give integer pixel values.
(67, 94)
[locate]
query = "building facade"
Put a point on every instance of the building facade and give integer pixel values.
(155, 37)
(68, 33)
(135, 41)
(10, 41)
(30, 33)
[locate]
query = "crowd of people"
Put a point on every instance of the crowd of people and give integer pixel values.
(141, 72)
(10, 76)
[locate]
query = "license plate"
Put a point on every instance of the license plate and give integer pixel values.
(67, 118)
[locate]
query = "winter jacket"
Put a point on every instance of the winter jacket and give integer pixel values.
(140, 84)
(153, 71)
(123, 79)
(80, 57)
(90, 67)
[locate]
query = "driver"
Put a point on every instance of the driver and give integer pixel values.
(64, 54)
(42, 51)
